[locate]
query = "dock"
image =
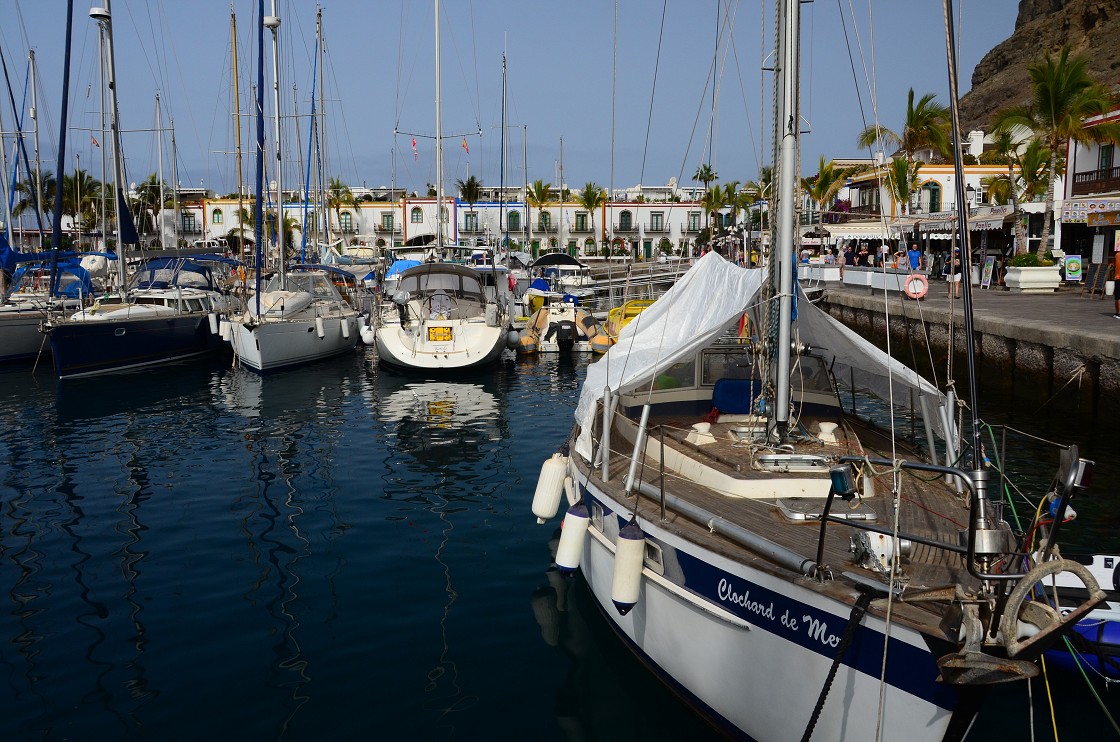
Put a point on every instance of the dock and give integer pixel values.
(1066, 339)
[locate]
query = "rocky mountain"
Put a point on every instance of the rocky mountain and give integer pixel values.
(1090, 27)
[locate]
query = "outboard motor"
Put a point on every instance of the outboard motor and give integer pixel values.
(565, 332)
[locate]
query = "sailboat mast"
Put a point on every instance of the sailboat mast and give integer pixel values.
(237, 124)
(159, 146)
(561, 237)
(56, 233)
(502, 165)
(35, 132)
(175, 188)
(6, 185)
(324, 163)
(104, 16)
(272, 22)
(787, 133)
(439, 141)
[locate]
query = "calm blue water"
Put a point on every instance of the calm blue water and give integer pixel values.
(329, 553)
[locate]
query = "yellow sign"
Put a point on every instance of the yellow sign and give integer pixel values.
(1104, 218)
(439, 334)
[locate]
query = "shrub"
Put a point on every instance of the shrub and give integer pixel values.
(1030, 260)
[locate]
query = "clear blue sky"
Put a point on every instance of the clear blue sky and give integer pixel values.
(561, 82)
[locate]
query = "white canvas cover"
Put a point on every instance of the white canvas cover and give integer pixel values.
(697, 310)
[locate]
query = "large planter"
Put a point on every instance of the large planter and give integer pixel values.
(1034, 280)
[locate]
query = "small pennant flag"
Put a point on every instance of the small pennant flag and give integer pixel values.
(415, 154)
(93, 141)
(468, 149)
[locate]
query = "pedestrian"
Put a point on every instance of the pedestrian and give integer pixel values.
(955, 272)
(915, 256)
(864, 258)
(1115, 276)
(849, 255)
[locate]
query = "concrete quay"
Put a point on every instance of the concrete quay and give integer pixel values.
(1067, 338)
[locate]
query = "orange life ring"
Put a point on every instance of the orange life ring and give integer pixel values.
(916, 285)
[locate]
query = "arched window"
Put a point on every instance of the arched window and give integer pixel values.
(625, 220)
(546, 220)
(216, 217)
(346, 221)
(932, 196)
(514, 222)
(417, 215)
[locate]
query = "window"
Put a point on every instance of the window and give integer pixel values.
(216, 218)
(657, 221)
(1106, 156)
(514, 223)
(189, 226)
(417, 215)
(387, 221)
(624, 221)
(470, 222)
(443, 214)
(934, 191)
(581, 222)
(694, 221)
(546, 220)
(346, 221)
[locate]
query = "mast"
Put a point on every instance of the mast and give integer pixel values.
(525, 183)
(35, 140)
(159, 146)
(104, 141)
(561, 233)
(439, 142)
(272, 22)
(324, 176)
(236, 127)
(177, 218)
(258, 191)
(787, 137)
(126, 232)
(6, 185)
(502, 166)
(56, 231)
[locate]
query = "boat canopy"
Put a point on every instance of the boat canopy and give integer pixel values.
(73, 280)
(401, 265)
(699, 308)
(161, 273)
(556, 259)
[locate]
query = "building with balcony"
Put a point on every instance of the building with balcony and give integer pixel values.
(1089, 217)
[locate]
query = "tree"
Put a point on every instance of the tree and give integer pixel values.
(902, 181)
(1005, 146)
(926, 125)
(470, 190)
(28, 194)
(1063, 95)
(80, 194)
(704, 174)
(339, 195)
(146, 203)
(537, 197)
(592, 198)
(825, 185)
(712, 202)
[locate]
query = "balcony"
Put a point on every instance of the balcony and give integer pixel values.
(630, 228)
(545, 228)
(471, 228)
(581, 229)
(387, 229)
(690, 229)
(867, 210)
(657, 228)
(348, 229)
(190, 229)
(1096, 181)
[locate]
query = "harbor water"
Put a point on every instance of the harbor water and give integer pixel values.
(334, 552)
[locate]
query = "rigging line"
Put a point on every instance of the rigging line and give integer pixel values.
(726, 33)
(477, 94)
(746, 110)
(400, 66)
(653, 91)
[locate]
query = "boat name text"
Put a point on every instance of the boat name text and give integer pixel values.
(814, 627)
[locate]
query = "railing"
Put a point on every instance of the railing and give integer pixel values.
(657, 229)
(627, 228)
(547, 228)
(691, 229)
(190, 229)
(585, 229)
(867, 210)
(470, 228)
(1096, 181)
(387, 229)
(351, 229)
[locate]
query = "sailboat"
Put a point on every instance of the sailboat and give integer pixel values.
(446, 316)
(168, 310)
(782, 563)
(295, 318)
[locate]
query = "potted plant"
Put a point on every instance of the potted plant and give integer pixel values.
(1030, 274)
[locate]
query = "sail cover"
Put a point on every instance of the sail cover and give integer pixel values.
(698, 309)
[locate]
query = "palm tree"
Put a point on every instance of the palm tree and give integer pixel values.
(902, 180)
(592, 198)
(339, 195)
(926, 126)
(704, 174)
(1005, 147)
(711, 202)
(146, 203)
(29, 194)
(824, 187)
(537, 197)
(80, 194)
(1063, 95)
(470, 190)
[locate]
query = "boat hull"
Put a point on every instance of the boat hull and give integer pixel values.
(20, 338)
(107, 346)
(269, 346)
(721, 632)
(474, 345)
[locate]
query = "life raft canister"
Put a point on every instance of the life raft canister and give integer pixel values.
(915, 285)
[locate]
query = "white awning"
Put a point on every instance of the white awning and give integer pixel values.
(995, 222)
(858, 231)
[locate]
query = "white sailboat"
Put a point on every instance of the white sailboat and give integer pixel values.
(708, 528)
(298, 318)
(445, 316)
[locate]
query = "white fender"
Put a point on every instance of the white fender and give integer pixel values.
(320, 330)
(629, 556)
(213, 323)
(550, 485)
(573, 534)
(345, 323)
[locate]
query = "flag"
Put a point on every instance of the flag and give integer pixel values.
(93, 141)
(415, 154)
(468, 149)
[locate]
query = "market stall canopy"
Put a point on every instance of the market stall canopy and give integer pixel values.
(858, 231)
